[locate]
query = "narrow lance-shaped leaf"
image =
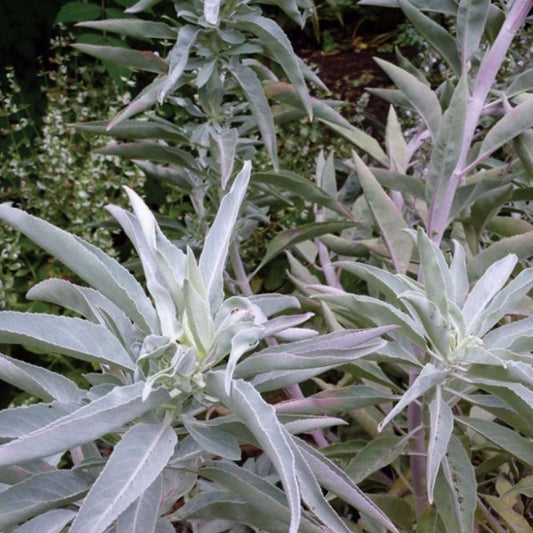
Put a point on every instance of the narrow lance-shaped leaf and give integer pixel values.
(435, 35)
(440, 431)
(178, 59)
(471, 18)
(279, 45)
(456, 489)
(211, 11)
(52, 522)
(396, 145)
(134, 465)
(225, 144)
(39, 381)
(141, 515)
(260, 418)
(136, 28)
(40, 493)
(86, 424)
(429, 378)
(255, 94)
(74, 337)
(423, 99)
(135, 59)
(389, 220)
(215, 251)
(91, 264)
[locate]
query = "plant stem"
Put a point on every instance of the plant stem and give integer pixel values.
(486, 75)
(417, 459)
(494, 524)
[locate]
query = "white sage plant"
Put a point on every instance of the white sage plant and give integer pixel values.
(174, 396)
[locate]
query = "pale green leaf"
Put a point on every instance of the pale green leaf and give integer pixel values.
(49, 522)
(396, 144)
(423, 99)
(212, 11)
(141, 515)
(225, 143)
(387, 217)
(136, 28)
(142, 5)
(471, 18)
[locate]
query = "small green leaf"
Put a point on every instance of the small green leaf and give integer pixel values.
(395, 142)
(471, 18)
(136, 28)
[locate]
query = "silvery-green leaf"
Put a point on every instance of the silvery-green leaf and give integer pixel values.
(87, 302)
(440, 431)
(275, 326)
(222, 504)
(260, 418)
(225, 143)
(294, 334)
(178, 59)
(141, 515)
(40, 493)
(18, 421)
(266, 498)
(456, 490)
(510, 441)
(423, 99)
(388, 284)
(136, 28)
(367, 308)
(486, 288)
(434, 34)
(309, 424)
(504, 302)
(142, 5)
(215, 250)
(447, 147)
(436, 328)
(87, 423)
(377, 454)
(212, 439)
(74, 337)
(448, 7)
(49, 522)
(513, 123)
(387, 217)
(438, 282)
(471, 18)
(273, 37)
(395, 142)
(211, 11)
(459, 274)
(516, 336)
(429, 378)
(91, 264)
(271, 304)
(134, 465)
(197, 321)
(255, 94)
(39, 381)
(332, 478)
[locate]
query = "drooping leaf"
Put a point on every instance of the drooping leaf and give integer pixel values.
(438, 6)
(40, 493)
(134, 465)
(39, 381)
(142, 5)
(387, 217)
(106, 414)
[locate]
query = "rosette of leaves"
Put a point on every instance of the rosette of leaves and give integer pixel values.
(173, 398)
(464, 350)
